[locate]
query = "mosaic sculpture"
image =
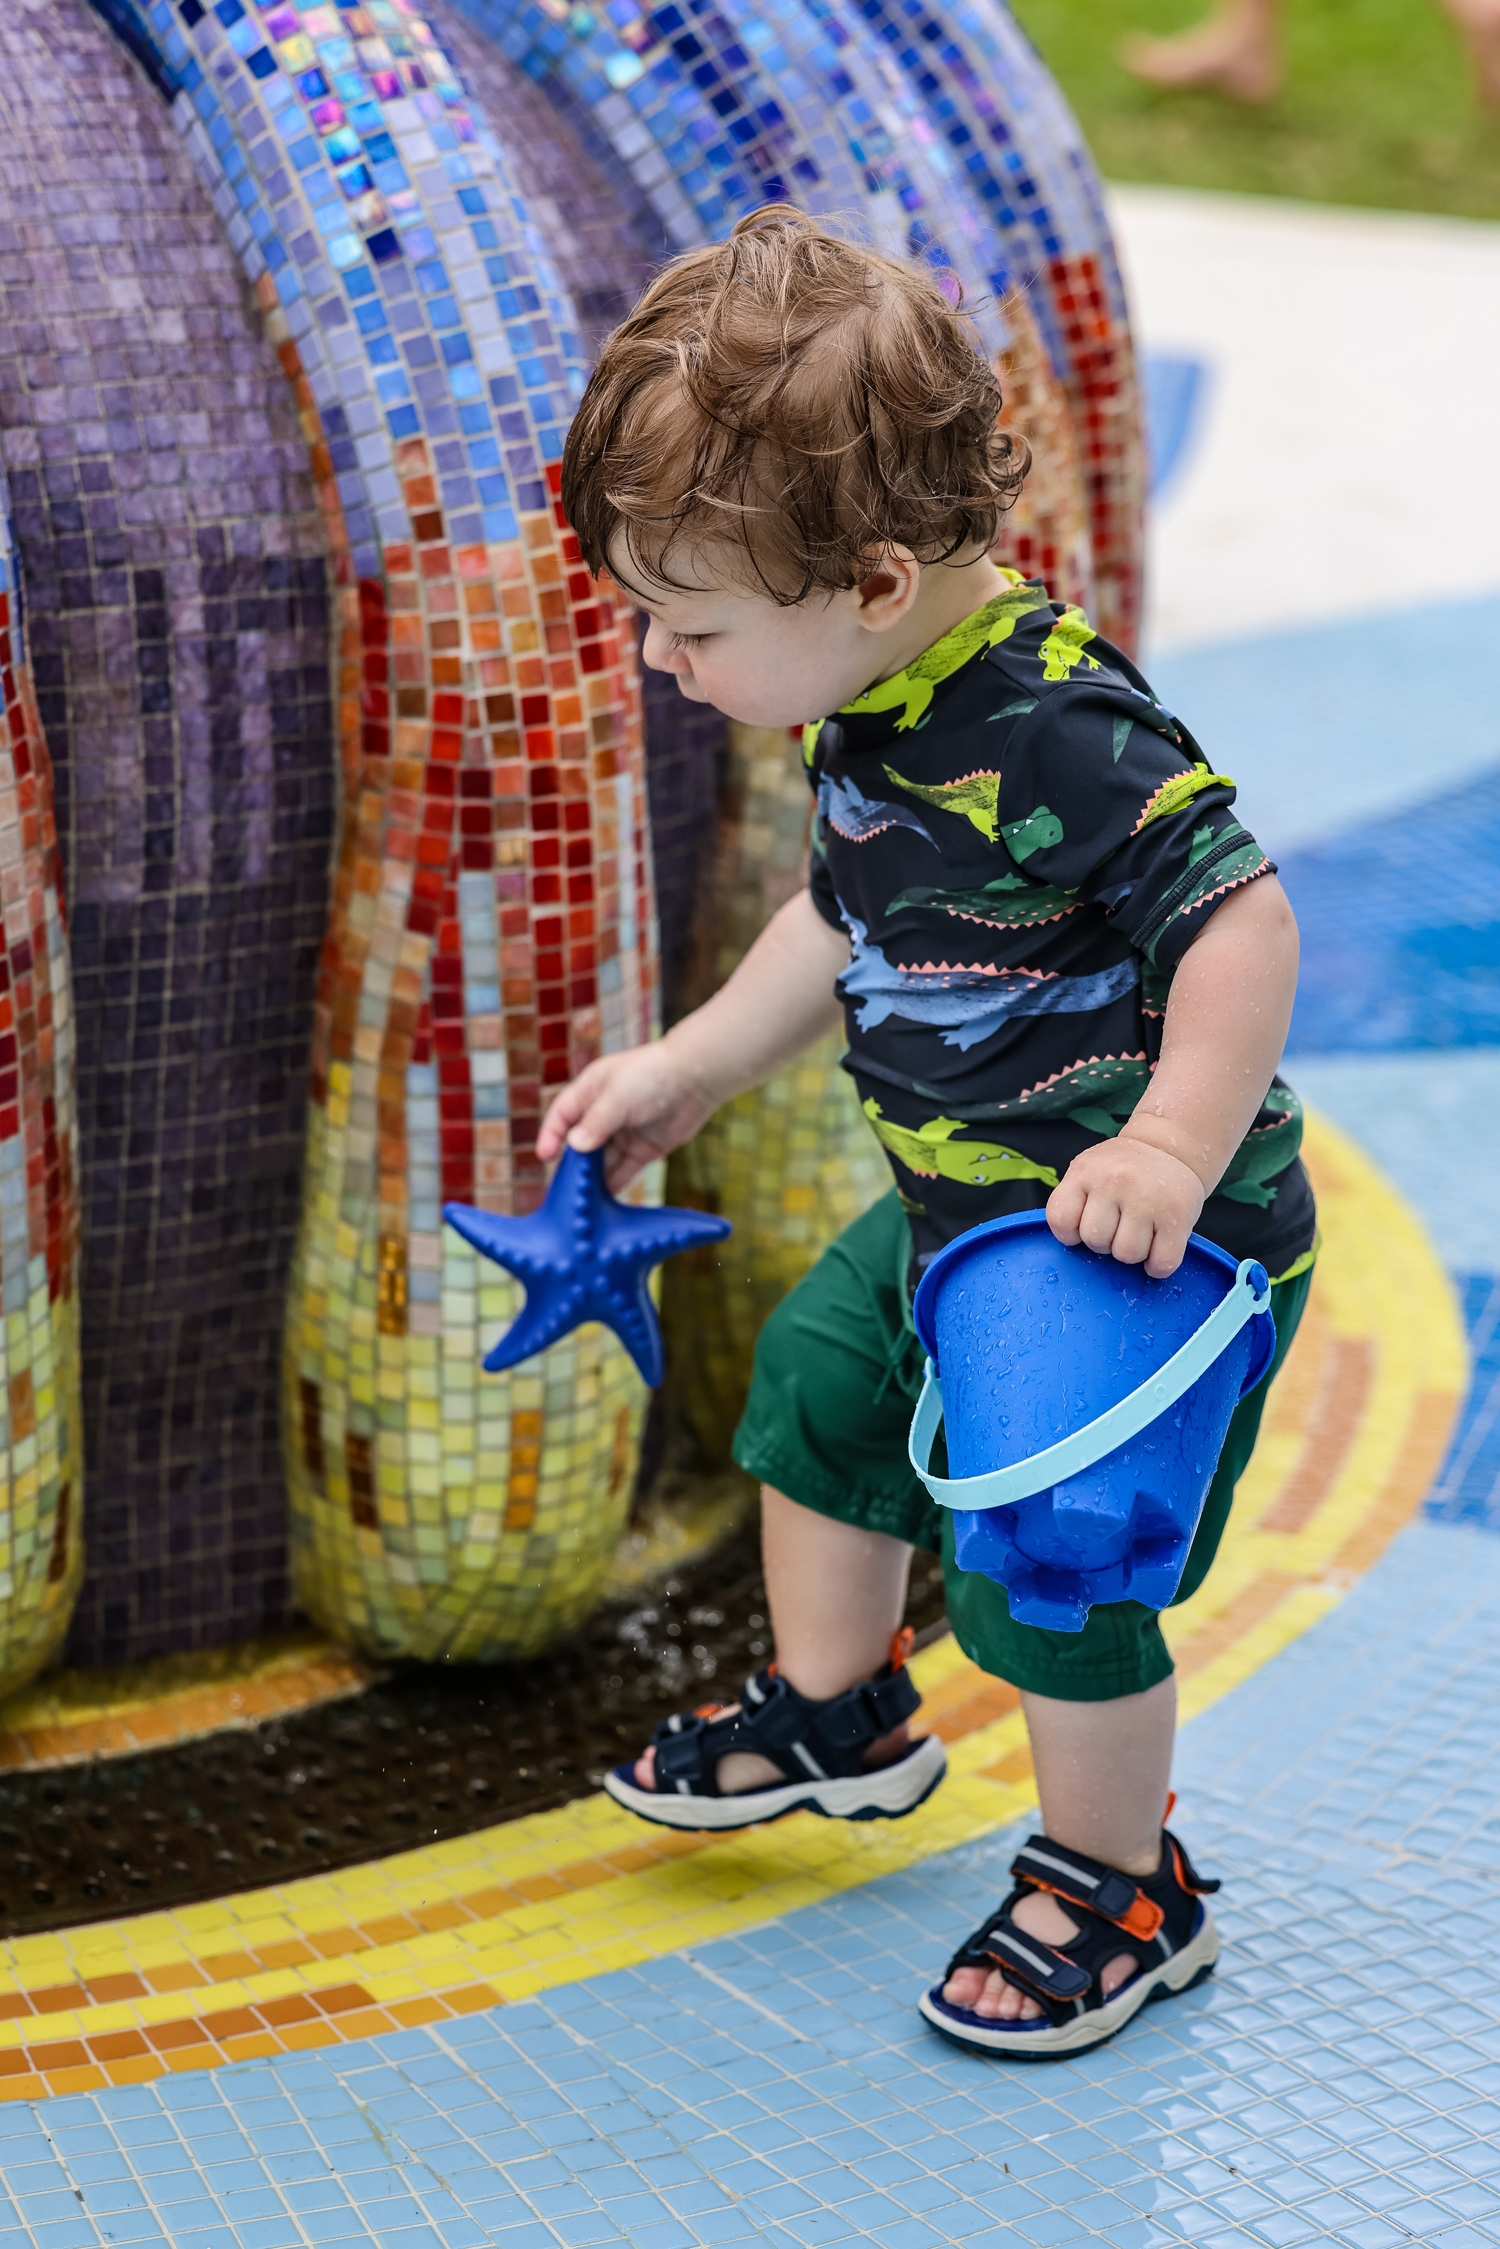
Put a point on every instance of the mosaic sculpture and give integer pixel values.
(493, 921)
(492, 926)
(477, 797)
(41, 1551)
(173, 556)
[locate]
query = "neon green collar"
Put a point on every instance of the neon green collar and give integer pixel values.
(910, 691)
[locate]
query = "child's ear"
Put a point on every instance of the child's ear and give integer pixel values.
(885, 596)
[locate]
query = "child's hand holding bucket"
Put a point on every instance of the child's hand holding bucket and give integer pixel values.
(1131, 1199)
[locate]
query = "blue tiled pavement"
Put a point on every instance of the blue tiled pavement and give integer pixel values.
(1338, 2081)
(1429, 1120)
(1336, 724)
(1468, 1490)
(1400, 930)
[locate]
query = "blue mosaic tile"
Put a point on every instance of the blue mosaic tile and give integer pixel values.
(1468, 1488)
(1422, 968)
(958, 148)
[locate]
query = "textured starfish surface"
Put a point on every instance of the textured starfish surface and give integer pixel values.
(583, 1256)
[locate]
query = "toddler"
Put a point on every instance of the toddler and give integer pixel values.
(1065, 973)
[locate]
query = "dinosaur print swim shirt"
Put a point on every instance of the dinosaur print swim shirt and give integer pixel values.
(1022, 843)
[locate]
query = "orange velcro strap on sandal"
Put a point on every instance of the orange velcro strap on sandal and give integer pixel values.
(1104, 1890)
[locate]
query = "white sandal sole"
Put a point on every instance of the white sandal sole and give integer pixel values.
(1044, 2041)
(887, 1793)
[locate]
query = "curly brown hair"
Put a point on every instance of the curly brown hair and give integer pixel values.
(798, 397)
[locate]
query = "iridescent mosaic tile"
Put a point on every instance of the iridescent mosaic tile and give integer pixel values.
(942, 133)
(606, 240)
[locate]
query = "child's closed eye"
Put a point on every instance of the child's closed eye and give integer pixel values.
(688, 640)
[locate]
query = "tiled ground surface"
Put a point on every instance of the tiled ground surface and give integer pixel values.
(1320, 723)
(1424, 1118)
(1324, 333)
(68, 1716)
(1468, 1490)
(1357, 1428)
(1338, 2082)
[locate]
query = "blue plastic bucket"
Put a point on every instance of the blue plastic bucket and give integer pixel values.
(1085, 1407)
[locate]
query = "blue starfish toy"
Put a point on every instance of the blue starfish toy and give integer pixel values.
(583, 1256)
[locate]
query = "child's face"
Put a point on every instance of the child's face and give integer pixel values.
(758, 662)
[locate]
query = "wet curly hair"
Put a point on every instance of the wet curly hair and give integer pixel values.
(794, 397)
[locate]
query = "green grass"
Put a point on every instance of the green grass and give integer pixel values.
(1377, 108)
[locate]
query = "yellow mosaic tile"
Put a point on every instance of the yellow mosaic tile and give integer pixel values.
(69, 1716)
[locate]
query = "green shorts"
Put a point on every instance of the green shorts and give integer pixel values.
(837, 1372)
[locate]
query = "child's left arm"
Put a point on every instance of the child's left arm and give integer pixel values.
(1139, 1195)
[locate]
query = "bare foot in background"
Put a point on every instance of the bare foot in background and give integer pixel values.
(1236, 52)
(1479, 22)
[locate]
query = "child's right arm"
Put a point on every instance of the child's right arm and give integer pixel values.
(650, 1099)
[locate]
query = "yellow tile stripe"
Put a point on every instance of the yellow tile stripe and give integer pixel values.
(1379, 1281)
(68, 1716)
(564, 1894)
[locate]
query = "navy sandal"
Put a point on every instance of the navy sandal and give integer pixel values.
(1161, 1921)
(818, 1746)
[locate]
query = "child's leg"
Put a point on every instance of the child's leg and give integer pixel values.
(1101, 1706)
(836, 1595)
(838, 1369)
(1103, 1770)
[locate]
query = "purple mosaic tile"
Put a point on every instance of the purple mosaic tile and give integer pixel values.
(173, 560)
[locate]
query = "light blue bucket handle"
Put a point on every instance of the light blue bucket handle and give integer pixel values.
(1002, 1486)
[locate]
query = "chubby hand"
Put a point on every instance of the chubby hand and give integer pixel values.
(643, 1103)
(1131, 1199)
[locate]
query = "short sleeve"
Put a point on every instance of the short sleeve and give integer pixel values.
(820, 883)
(1103, 794)
(819, 880)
